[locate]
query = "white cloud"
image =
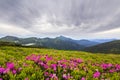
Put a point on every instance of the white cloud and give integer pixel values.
(113, 33)
(9, 29)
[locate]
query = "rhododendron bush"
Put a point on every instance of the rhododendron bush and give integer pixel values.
(55, 69)
(41, 66)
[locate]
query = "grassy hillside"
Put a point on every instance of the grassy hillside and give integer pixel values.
(17, 63)
(109, 47)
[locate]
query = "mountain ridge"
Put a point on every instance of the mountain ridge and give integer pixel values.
(59, 42)
(108, 47)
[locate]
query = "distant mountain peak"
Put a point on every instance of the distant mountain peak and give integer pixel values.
(63, 38)
(10, 38)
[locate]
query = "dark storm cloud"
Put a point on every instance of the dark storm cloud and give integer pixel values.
(60, 16)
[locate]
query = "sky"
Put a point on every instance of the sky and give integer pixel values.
(50, 18)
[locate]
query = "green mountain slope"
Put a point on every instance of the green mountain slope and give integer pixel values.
(5, 43)
(83, 42)
(109, 47)
(61, 44)
(55, 43)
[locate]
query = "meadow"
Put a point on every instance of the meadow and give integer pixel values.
(17, 63)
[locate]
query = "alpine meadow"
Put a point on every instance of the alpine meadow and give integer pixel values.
(60, 40)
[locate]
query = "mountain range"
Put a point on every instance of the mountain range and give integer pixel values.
(64, 43)
(108, 47)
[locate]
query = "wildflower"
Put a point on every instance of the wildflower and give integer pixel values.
(41, 63)
(106, 66)
(26, 79)
(50, 75)
(45, 66)
(64, 65)
(83, 78)
(6, 70)
(64, 76)
(19, 69)
(36, 58)
(48, 58)
(54, 66)
(24, 64)
(46, 73)
(1, 79)
(111, 71)
(79, 61)
(54, 77)
(47, 79)
(96, 74)
(14, 71)
(1, 70)
(68, 76)
(117, 66)
(10, 65)
(110, 65)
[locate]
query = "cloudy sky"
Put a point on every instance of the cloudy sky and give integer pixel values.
(50, 18)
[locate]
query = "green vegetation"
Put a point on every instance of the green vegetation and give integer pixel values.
(109, 47)
(88, 68)
(61, 42)
(5, 43)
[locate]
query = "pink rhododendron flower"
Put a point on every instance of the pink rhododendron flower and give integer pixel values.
(83, 78)
(117, 66)
(6, 70)
(79, 61)
(36, 58)
(46, 73)
(64, 76)
(47, 79)
(26, 79)
(96, 74)
(112, 70)
(45, 66)
(19, 69)
(110, 65)
(48, 58)
(54, 77)
(1, 79)
(2, 70)
(14, 71)
(10, 65)
(106, 66)
(54, 66)
(41, 63)
(64, 65)
(50, 75)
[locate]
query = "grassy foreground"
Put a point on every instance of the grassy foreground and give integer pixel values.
(48, 64)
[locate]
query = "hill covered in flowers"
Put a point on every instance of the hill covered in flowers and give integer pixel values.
(17, 63)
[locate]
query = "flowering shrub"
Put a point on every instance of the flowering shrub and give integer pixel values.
(62, 69)
(96, 74)
(10, 67)
(51, 67)
(22, 65)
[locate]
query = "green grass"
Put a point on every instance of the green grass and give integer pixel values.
(18, 54)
